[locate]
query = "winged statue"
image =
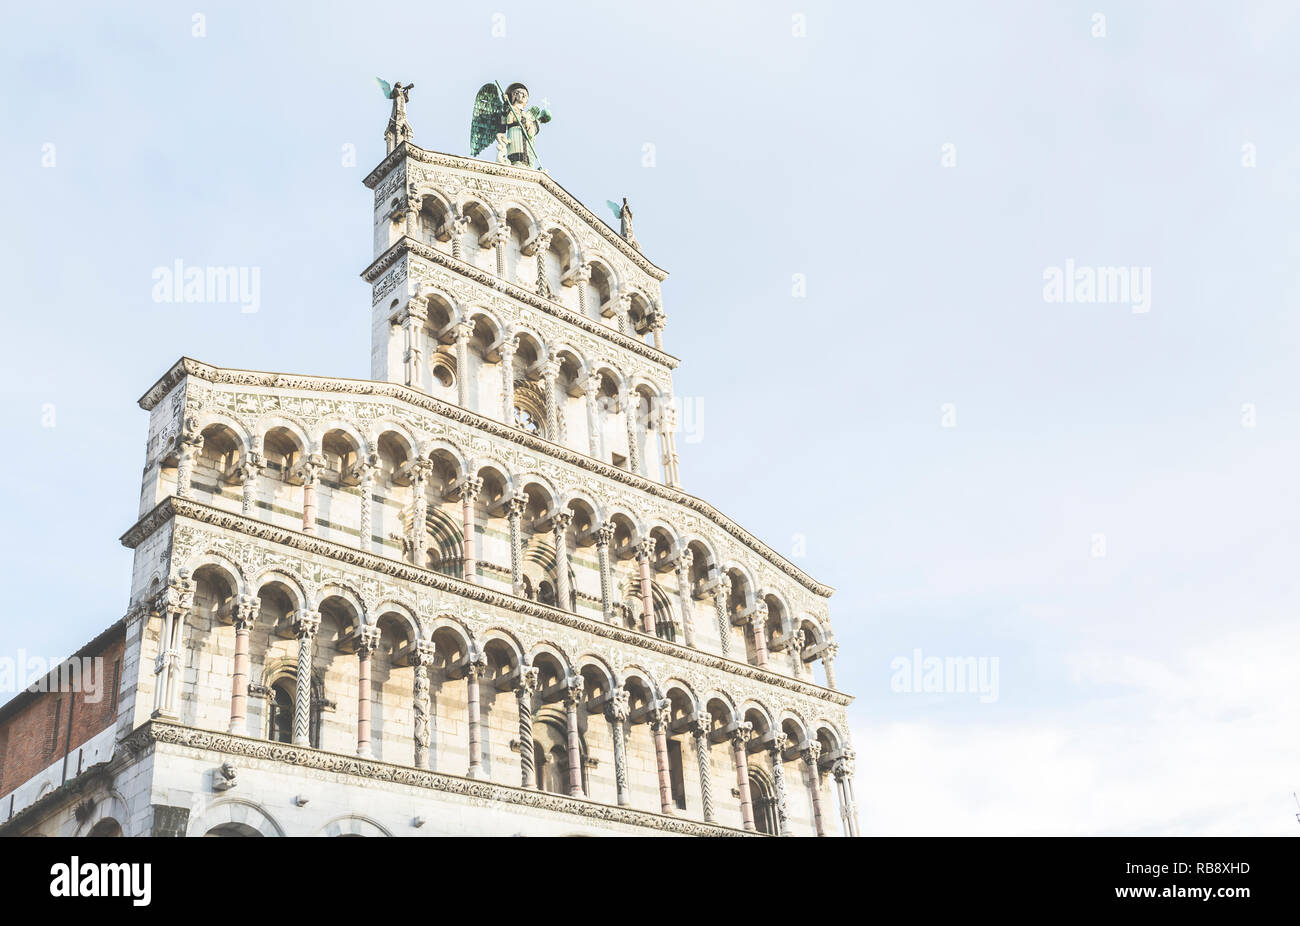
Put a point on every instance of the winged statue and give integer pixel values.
(507, 119)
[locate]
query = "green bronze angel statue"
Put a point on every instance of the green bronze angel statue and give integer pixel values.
(507, 119)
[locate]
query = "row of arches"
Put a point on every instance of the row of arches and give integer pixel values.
(538, 254)
(327, 673)
(465, 355)
(516, 532)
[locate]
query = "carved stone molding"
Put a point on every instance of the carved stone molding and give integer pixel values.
(188, 367)
(154, 733)
(190, 519)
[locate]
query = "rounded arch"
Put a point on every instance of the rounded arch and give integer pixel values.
(289, 584)
(214, 562)
(352, 824)
(233, 817)
(109, 810)
(546, 651)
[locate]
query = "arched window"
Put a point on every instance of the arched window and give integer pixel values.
(764, 797)
(106, 827)
(280, 728)
(281, 700)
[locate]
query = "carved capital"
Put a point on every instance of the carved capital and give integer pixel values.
(701, 723)
(464, 329)
(811, 754)
(305, 624)
(740, 733)
(470, 488)
(517, 503)
(604, 534)
(645, 549)
(367, 639)
(573, 690)
(526, 685)
(245, 611)
(618, 705)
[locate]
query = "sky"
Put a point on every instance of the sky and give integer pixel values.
(861, 207)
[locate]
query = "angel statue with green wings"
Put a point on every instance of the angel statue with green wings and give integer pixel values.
(399, 130)
(507, 119)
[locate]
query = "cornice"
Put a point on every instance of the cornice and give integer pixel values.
(175, 507)
(187, 366)
(153, 733)
(408, 245)
(493, 169)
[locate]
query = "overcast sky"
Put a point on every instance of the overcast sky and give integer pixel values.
(1103, 499)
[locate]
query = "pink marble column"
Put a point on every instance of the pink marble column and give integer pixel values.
(571, 698)
(472, 671)
(659, 716)
(739, 740)
(644, 549)
(367, 640)
(468, 493)
(246, 609)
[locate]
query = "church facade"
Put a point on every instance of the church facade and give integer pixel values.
(466, 596)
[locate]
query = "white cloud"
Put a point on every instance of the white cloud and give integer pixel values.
(1200, 743)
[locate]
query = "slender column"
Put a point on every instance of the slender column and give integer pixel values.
(684, 593)
(622, 305)
(524, 691)
(581, 277)
(246, 609)
(668, 436)
(605, 534)
(775, 749)
(367, 640)
(700, 729)
(539, 250)
(175, 603)
(508, 348)
(456, 228)
(305, 625)
(308, 472)
(421, 660)
(796, 653)
(413, 319)
(721, 596)
(758, 622)
(631, 405)
(560, 528)
(550, 372)
(660, 714)
(191, 445)
(249, 469)
(420, 512)
(364, 472)
(739, 740)
(515, 513)
(618, 714)
(828, 663)
(644, 549)
(414, 203)
(657, 320)
(810, 755)
(843, 772)
(162, 662)
(472, 670)
(571, 698)
(593, 416)
(469, 491)
(464, 331)
(500, 238)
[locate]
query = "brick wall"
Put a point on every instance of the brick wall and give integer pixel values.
(38, 729)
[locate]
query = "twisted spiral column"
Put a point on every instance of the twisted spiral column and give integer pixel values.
(700, 731)
(305, 626)
(524, 692)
